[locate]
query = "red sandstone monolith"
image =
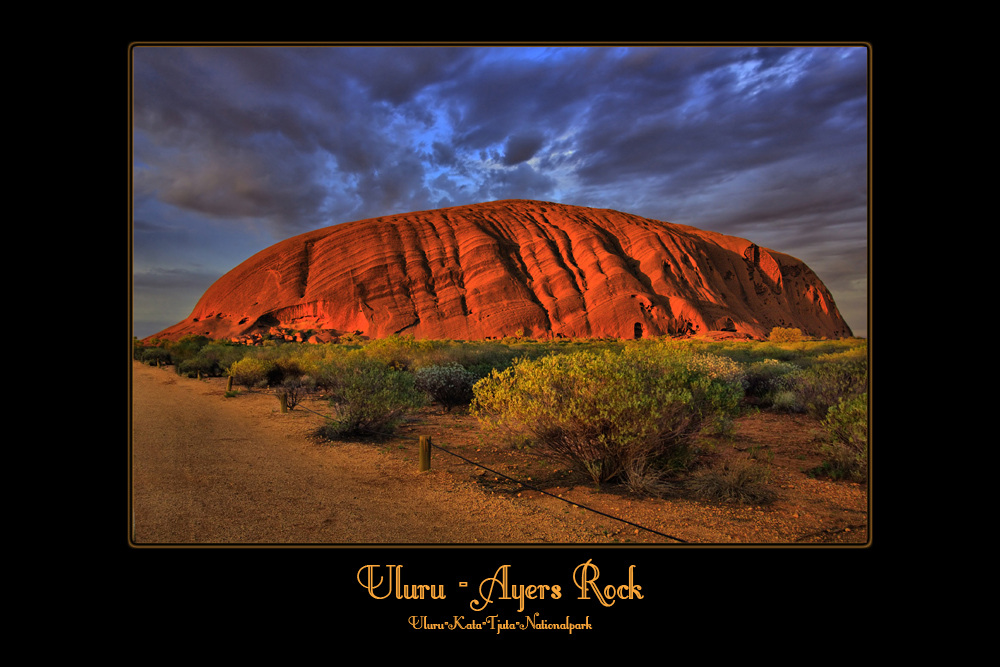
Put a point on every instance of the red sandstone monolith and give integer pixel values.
(488, 270)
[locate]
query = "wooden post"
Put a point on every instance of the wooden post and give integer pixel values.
(283, 399)
(229, 383)
(425, 453)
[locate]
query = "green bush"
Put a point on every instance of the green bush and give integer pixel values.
(763, 378)
(218, 357)
(449, 385)
(152, 355)
(608, 412)
(296, 388)
(252, 372)
(286, 368)
(783, 335)
(192, 367)
(401, 352)
(327, 371)
(369, 398)
(786, 401)
(350, 339)
(187, 347)
(717, 368)
(847, 425)
(480, 359)
(823, 385)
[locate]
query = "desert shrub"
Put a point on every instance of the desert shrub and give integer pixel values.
(762, 378)
(478, 358)
(741, 480)
(186, 349)
(820, 353)
(640, 476)
(856, 353)
(718, 368)
(448, 385)
(480, 371)
(218, 357)
(327, 370)
(350, 339)
(825, 349)
(847, 425)
(306, 359)
(606, 412)
(823, 385)
(743, 352)
(401, 352)
(295, 388)
(287, 367)
(782, 352)
(281, 361)
(252, 372)
(783, 335)
(369, 398)
(152, 355)
(192, 367)
(188, 346)
(786, 401)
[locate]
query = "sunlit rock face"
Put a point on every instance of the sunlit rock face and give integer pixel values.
(501, 268)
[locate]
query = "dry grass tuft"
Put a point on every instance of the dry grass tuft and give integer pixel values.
(741, 480)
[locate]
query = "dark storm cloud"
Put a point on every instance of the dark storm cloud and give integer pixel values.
(719, 116)
(244, 183)
(240, 133)
(521, 148)
(522, 182)
(245, 125)
(397, 75)
(443, 154)
(515, 95)
(397, 188)
(215, 139)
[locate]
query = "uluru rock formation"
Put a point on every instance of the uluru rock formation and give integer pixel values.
(488, 270)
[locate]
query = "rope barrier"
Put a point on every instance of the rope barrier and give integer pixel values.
(575, 504)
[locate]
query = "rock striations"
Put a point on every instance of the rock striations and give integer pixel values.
(489, 270)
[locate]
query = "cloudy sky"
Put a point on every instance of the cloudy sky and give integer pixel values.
(235, 149)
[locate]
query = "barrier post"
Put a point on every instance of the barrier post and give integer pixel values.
(425, 453)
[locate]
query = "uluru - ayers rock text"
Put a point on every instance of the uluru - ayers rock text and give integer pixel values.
(489, 270)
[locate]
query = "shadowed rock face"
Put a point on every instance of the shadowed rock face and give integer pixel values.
(488, 270)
